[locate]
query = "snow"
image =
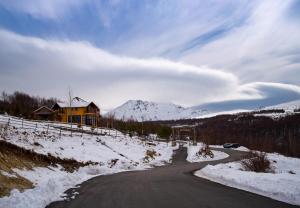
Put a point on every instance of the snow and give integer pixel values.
(76, 102)
(194, 157)
(282, 185)
(150, 111)
(10, 175)
(241, 148)
(288, 106)
(275, 116)
(231, 112)
(51, 182)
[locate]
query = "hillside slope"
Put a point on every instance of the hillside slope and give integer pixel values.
(49, 146)
(150, 111)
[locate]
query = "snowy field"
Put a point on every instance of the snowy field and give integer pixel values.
(194, 157)
(241, 148)
(282, 185)
(112, 154)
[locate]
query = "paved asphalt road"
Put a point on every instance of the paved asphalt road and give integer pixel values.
(171, 186)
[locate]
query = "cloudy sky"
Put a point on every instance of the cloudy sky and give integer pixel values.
(187, 52)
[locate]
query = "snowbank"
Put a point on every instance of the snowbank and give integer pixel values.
(241, 148)
(283, 185)
(50, 184)
(194, 157)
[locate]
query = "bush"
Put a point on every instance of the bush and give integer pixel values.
(257, 162)
(205, 151)
(150, 155)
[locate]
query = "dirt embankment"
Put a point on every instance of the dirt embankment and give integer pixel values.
(13, 156)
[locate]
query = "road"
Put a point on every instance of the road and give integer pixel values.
(171, 186)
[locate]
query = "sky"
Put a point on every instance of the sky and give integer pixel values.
(186, 52)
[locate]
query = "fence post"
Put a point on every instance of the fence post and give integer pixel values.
(47, 128)
(8, 121)
(35, 127)
(71, 130)
(22, 122)
(81, 131)
(60, 132)
(116, 132)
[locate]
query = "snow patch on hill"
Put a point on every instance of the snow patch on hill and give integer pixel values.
(288, 106)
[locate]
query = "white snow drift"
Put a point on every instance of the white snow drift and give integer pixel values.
(282, 185)
(194, 157)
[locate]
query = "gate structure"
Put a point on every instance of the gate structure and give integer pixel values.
(184, 132)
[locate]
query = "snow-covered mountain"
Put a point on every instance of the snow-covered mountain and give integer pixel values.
(288, 106)
(150, 111)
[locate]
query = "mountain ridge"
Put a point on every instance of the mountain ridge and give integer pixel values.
(140, 110)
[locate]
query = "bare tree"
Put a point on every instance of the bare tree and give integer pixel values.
(69, 100)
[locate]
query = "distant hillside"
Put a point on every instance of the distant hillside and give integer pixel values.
(288, 106)
(150, 111)
(139, 110)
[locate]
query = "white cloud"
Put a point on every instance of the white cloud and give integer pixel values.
(50, 9)
(48, 67)
(261, 50)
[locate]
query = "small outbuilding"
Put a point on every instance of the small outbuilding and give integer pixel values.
(44, 113)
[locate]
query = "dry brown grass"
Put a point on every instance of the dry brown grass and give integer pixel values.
(257, 162)
(150, 155)
(12, 156)
(205, 151)
(10, 160)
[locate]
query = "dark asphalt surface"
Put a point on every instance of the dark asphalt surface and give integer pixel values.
(171, 186)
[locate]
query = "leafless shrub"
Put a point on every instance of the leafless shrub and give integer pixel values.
(3, 131)
(257, 162)
(112, 162)
(150, 155)
(291, 172)
(37, 144)
(205, 151)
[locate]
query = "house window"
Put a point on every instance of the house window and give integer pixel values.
(90, 120)
(74, 119)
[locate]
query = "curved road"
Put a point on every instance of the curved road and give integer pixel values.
(171, 186)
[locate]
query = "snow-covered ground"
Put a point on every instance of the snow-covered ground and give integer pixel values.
(193, 155)
(241, 148)
(282, 185)
(51, 182)
(288, 106)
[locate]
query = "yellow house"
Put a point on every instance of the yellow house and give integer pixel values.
(80, 112)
